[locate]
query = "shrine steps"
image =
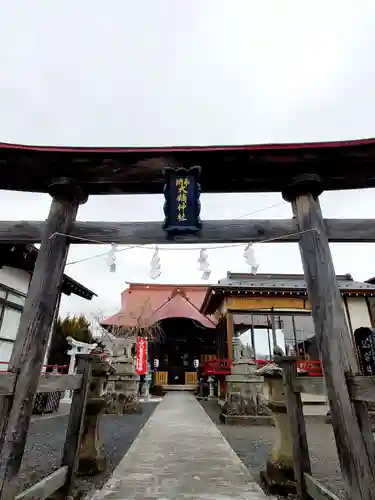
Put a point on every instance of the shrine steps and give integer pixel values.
(179, 387)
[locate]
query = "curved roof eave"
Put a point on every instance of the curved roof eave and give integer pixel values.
(175, 149)
(204, 321)
(179, 306)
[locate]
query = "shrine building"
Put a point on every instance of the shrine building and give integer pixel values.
(190, 323)
(178, 332)
(279, 302)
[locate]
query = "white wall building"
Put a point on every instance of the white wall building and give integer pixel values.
(16, 268)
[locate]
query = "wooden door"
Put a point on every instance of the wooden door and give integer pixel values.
(205, 358)
(190, 378)
(161, 378)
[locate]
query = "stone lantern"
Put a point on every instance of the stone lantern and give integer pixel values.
(245, 403)
(279, 474)
(123, 383)
(91, 457)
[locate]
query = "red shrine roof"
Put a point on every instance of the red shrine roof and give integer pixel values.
(178, 306)
(154, 303)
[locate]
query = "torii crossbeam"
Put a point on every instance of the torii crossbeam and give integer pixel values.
(213, 231)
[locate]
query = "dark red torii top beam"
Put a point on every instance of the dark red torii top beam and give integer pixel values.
(225, 169)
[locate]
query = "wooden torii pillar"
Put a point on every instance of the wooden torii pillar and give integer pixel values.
(36, 322)
(354, 441)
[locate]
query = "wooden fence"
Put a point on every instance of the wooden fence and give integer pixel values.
(361, 389)
(61, 480)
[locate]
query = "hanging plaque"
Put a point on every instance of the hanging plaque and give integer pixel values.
(365, 344)
(182, 205)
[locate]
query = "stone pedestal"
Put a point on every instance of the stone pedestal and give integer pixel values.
(279, 474)
(123, 389)
(211, 381)
(203, 389)
(147, 384)
(91, 457)
(245, 403)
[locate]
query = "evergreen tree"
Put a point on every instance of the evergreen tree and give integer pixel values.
(77, 327)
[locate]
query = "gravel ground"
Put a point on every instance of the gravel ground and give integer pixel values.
(253, 445)
(46, 440)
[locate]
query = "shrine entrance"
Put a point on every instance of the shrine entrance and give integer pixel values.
(180, 337)
(301, 172)
(183, 345)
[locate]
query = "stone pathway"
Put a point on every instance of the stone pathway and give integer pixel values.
(180, 455)
(45, 442)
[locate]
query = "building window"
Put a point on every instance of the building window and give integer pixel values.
(11, 306)
(6, 348)
(16, 298)
(11, 296)
(9, 322)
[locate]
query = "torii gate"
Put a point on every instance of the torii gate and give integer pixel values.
(299, 171)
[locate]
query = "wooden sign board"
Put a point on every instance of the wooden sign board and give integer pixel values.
(365, 344)
(269, 302)
(182, 206)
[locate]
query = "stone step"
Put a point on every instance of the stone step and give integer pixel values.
(181, 387)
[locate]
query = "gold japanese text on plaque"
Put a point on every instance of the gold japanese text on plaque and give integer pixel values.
(182, 184)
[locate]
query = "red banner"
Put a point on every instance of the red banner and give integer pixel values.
(141, 356)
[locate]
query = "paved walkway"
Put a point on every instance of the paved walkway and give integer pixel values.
(180, 455)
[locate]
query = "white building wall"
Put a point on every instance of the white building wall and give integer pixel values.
(358, 312)
(15, 278)
(19, 281)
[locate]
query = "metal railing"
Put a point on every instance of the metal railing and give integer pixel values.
(217, 367)
(312, 368)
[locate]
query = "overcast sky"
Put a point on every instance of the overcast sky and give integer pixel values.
(183, 72)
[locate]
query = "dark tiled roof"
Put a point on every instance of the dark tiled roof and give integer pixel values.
(290, 284)
(286, 281)
(24, 257)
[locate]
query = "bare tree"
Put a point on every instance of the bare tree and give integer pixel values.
(130, 325)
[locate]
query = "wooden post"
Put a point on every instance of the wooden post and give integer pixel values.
(252, 333)
(273, 328)
(35, 326)
(301, 459)
(356, 453)
(230, 333)
(75, 425)
(53, 330)
(269, 343)
(295, 335)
